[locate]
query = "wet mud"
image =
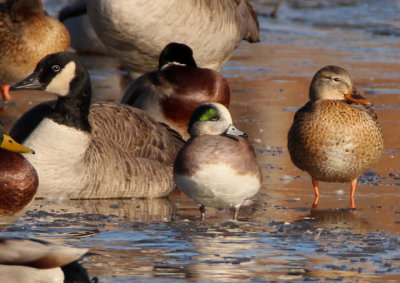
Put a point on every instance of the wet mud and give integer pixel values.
(278, 237)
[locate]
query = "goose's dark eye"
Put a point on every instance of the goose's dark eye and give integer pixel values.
(336, 79)
(56, 68)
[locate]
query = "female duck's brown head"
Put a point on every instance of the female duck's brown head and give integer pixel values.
(333, 82)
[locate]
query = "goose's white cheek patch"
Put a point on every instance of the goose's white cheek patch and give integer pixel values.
(60, 83)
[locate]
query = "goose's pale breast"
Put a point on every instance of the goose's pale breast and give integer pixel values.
(58, 159)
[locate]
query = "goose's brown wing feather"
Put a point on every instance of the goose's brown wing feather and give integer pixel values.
(129, 151)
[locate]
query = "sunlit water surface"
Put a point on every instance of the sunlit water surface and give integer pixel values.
(277, 237)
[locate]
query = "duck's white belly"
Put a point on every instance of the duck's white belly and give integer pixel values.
(58, 159)
(218, 186)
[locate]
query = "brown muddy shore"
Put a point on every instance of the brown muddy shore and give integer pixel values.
(272, 84)
(278, 237)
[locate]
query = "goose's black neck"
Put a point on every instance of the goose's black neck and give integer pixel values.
(72, 110)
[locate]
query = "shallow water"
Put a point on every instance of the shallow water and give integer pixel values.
(277, 237)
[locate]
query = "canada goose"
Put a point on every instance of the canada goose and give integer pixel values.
(103, 150)
(217, 166)
(136, 31)
(171, 93)
(335, 136)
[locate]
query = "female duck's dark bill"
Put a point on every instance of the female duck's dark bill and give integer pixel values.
(31, 82)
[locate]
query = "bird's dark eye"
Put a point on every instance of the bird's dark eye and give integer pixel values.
(56, 68)
(336, 79)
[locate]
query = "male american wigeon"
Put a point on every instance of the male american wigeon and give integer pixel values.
(335, 137)
(27, 35)
(171, 93)
(217, 166)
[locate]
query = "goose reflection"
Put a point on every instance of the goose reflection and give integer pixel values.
(131, 210)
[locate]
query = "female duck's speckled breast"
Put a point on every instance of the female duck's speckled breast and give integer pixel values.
(334, 140)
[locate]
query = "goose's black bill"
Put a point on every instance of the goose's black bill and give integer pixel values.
(31, 82)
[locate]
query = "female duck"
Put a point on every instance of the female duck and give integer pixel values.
(335, 137)
(171, 93)
(18, 178)
(103, 150)
(27, 35)
(136, 31)
(217, 166)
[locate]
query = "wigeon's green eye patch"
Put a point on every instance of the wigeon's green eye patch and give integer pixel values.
(203, 114)
(208, 115)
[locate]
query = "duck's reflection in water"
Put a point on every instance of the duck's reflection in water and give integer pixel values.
(337, 220)
(219, 251)
(352, 204)
(220, 255)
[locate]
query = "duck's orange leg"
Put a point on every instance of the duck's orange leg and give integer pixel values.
(315, 185)
(315, 203)
(316, 190)
(353, 184)
(5, 92)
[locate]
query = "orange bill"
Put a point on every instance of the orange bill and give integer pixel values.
(356, 97)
